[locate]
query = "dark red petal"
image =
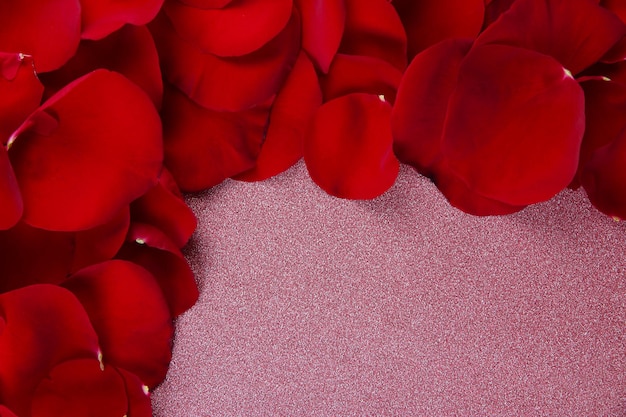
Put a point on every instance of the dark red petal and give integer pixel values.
(429, 22)
(360, 74)
(494, 8)
(49, 30)
(100, 18)
(514, 125)
(130, 315)
(5, 412)
(575, 32)
(40, 326)
(291, 114)
(238, 29)
(34, 256)
(138, 395)
(374, 29)
(616, 6)
(129, 51)
(207, 4)
(80, 388)
(166, 211)
(604, 178)
(20, 92)
(100, 243)
(323, 23)
(230, 84)
(11, 205)
(150, 248)
(459, 195)
(421, 106)
(348, 151)
(203, 147)
(100, 135)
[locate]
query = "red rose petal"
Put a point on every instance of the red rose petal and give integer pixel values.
(100, 243)
(150, 248)
(429, 22)
(129, 51)
(514, 125)
(221, 31)
(207, 4)
(34, 256)
(616, 6)
(291, 114)
(203, 147)
(100, 18)
(230, 84)
(11, 205)
(493, 10)
(139, 404)
(604, 178)
(360, 74)
(575, 32)
(130, 315)
(48, 30)
(348, 151)
(80, 388)
(20, 92)
(5, 412)
(323, 22)
(373, 28)
(421, 106)
(104, 152)
(40, 325)
(165, 210)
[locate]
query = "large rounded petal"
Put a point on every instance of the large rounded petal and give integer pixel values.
(323, 22)
(604, 177)
(514, 125)
(373, 28)
(153, 250)
(348, 149)
(429, 22)
(40, 326)
(48, 30)
(20, 92)
(165, 209)
(421, 105)
(226, 84)
(80, 388)
(130, 315)
(238, 29)
(100, 18)
(574, 32)
(11, 206)
(87, 152)
(129, 51)
(203, 147)
(291, 115)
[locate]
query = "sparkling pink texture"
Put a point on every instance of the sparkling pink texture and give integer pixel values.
(404, 306)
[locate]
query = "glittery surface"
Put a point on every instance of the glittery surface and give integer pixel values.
(315, 306)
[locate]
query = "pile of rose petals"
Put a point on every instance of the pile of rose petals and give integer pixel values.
(109, 109)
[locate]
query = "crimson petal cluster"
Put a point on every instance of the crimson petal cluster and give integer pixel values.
(109, 109)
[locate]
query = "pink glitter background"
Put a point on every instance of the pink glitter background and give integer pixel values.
(315, 306)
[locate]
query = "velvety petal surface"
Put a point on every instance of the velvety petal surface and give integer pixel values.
(129, 51)
(20, 92)
(514, 125)
(289, 119)
(87, 152)
(238, 29)
(348, 149)
(130, 315)
(40, 326)
(100, 18)
(80, 388)
(203, 147)
(429, 22)
(11, 205)
(575, 32)
(226, 84)
(323, 22)
(47, 30)
(152, 249)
